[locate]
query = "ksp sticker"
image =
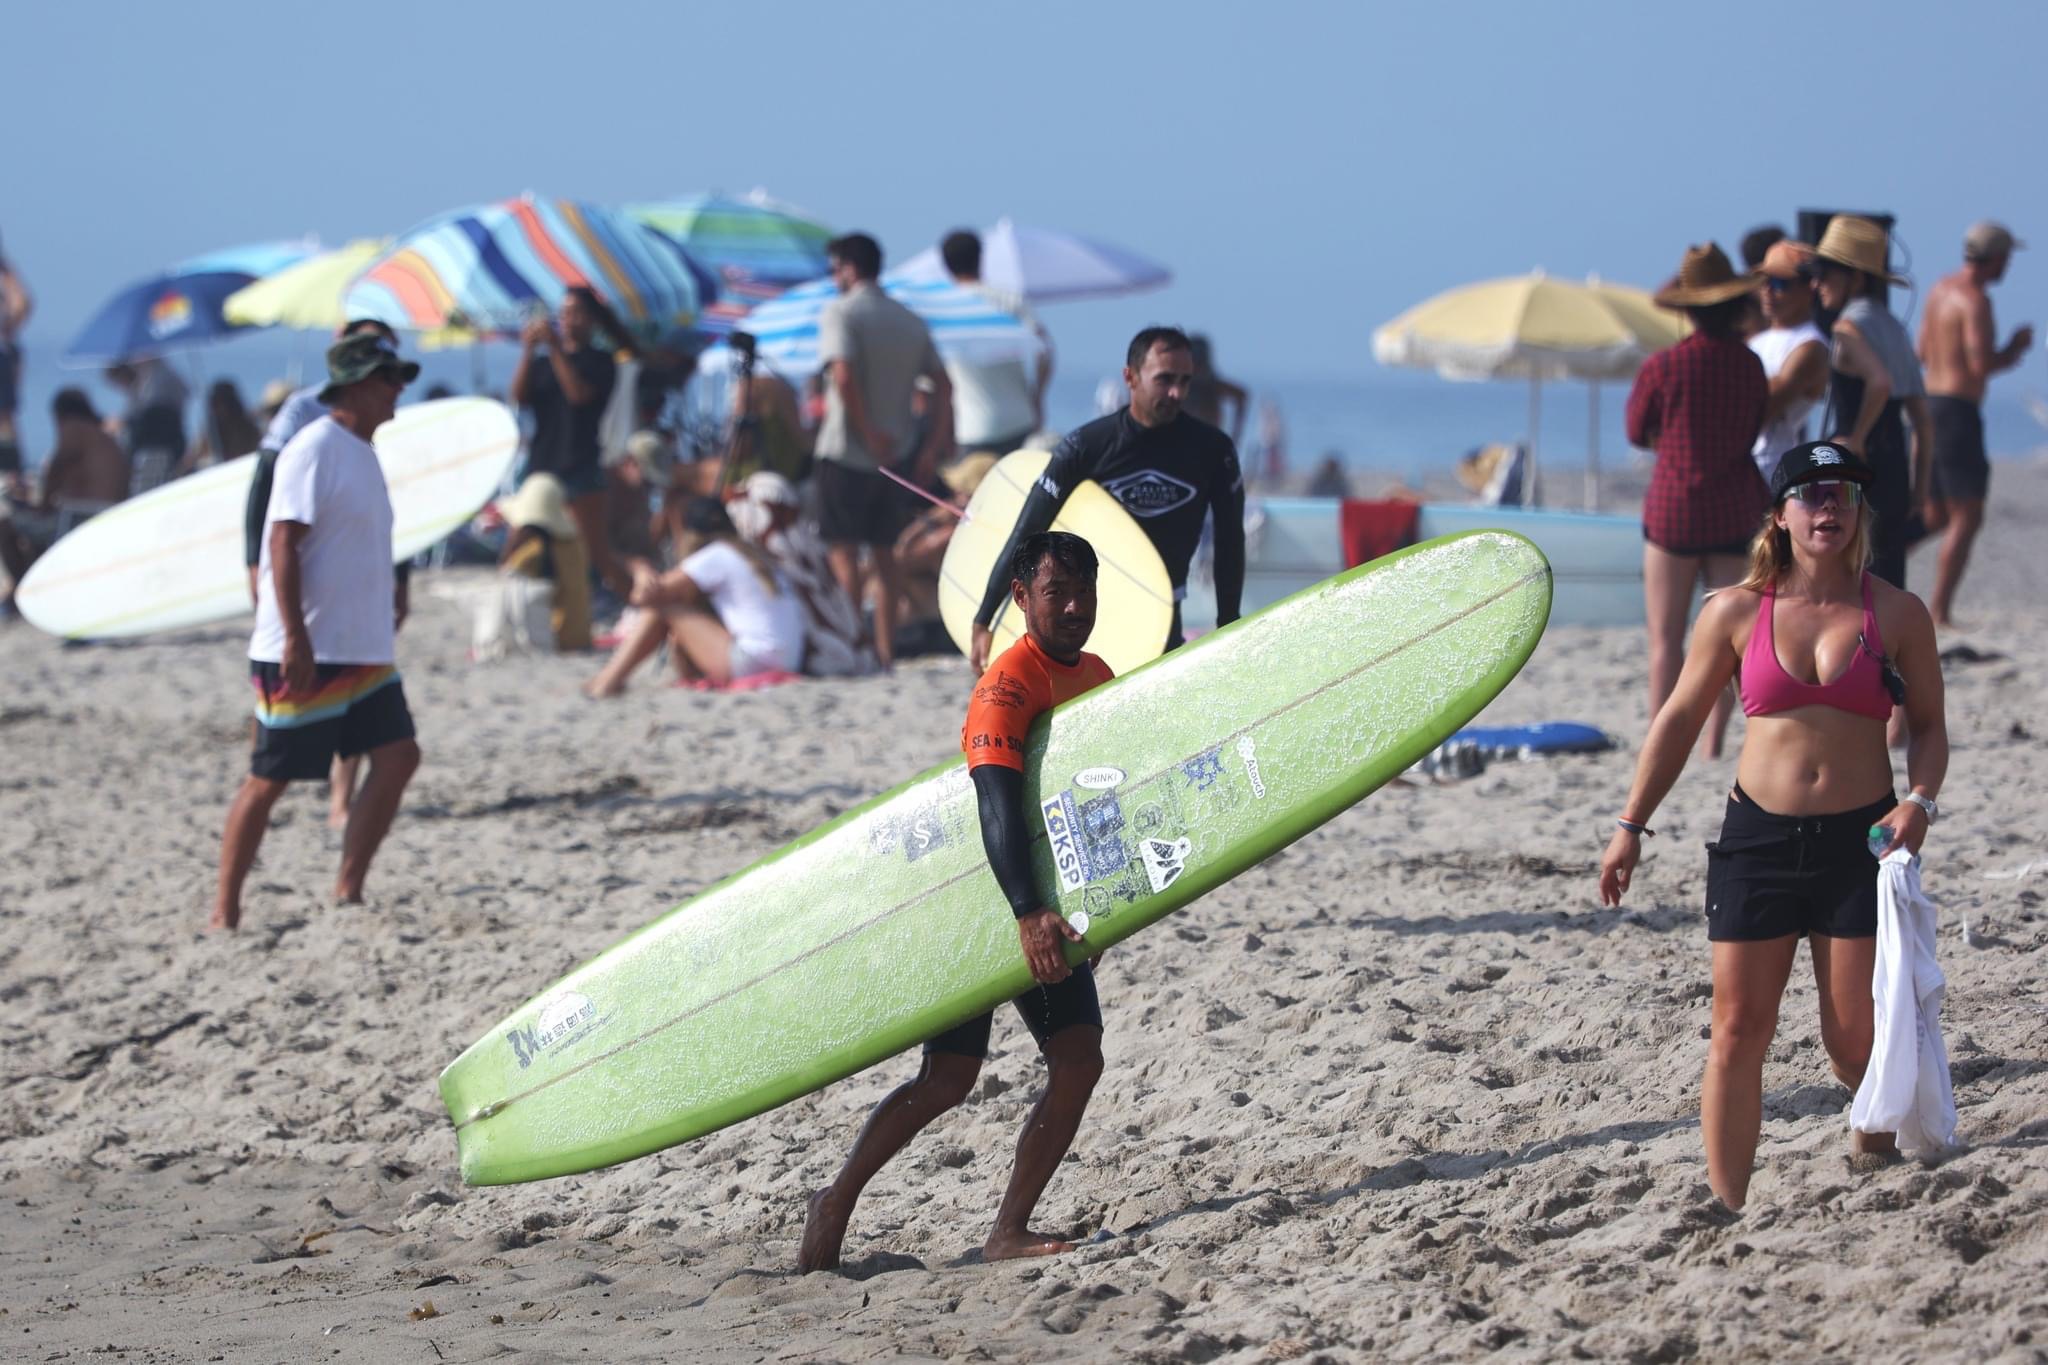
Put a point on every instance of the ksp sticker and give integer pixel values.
(1063, 833)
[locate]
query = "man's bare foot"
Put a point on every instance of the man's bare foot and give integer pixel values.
(1008, 1246)
(346, 895)
(226, 919)
(598, 690)
(824, 1229)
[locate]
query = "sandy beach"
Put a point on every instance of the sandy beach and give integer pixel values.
(1404, 1092)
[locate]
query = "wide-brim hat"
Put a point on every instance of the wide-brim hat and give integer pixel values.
(355, 358)
(1816, 461)
(1704, 278)
(1859, 244)
(541, 501)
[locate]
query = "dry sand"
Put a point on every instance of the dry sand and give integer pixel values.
(1404, 1092)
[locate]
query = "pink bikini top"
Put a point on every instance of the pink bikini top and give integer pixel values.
(1768, 689)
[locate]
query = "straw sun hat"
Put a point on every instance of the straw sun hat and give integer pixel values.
(1704, 278)
(540, 502)
(1857, 243)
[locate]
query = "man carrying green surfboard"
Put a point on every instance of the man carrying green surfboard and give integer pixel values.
(1052, 583)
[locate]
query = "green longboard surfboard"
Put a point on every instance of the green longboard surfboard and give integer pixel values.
(885, 926)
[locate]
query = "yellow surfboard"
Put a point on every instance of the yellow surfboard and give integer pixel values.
(1134, 596)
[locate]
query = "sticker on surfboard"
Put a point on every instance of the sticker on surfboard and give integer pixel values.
(1165, 860)
(1100, 779)
(1247, 751)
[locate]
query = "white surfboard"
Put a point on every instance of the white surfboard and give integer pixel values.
(172, 558)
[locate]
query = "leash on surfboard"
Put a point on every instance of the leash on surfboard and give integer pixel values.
(928, 497)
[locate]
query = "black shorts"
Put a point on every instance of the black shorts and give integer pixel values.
(857, 506)
(1961, 469)
(352, 709)
(1047, 1010)
(1770, 876)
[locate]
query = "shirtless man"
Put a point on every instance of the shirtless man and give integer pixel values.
(87, 472)
(1052, 581)
(1959, 354)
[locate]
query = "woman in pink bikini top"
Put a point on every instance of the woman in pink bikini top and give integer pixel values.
(1823, 653)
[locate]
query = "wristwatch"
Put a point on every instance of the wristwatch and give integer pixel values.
(1927, 804)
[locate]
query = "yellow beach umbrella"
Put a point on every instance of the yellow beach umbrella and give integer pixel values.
(308, 295)
(1537, 328)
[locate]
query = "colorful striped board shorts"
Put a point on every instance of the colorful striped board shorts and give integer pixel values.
(352, 709)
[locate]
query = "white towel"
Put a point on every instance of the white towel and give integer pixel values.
(1906, 1090)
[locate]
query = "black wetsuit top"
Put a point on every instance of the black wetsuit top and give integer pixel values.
(1169, 477)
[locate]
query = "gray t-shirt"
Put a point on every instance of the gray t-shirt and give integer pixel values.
(1888, 338)
(888, 347)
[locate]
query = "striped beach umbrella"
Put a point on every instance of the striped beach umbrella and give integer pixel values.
(964, 324)
(1045, 265)
(307, 295)
(489, 268)
(752, 239)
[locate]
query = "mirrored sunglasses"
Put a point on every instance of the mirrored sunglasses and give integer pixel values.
(1817, 494)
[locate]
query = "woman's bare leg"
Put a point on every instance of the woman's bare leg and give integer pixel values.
(702, 646)
(649, 630)
(1749, 980)
(1721, 571)
(1842, 968)
(1667, 597)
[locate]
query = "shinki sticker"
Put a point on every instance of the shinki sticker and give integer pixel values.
(1251, 765)
(1063, 833)
(1165, 860)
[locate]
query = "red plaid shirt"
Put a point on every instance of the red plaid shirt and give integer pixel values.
(1699, 405)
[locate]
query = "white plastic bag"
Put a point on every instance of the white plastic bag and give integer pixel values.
(1906, 1088)
(515, 619)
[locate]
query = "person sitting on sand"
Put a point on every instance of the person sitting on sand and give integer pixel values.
(1052, 582)
(726, 611)
(921, 552)
(87, 472)
(541, 543)
(769, 513)
(1792, 859)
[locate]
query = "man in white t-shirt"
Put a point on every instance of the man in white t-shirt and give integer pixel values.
(1794, 352)
(997, 404)
(323, 654)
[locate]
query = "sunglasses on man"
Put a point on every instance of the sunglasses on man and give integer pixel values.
(1778, 286)
(1818, 494)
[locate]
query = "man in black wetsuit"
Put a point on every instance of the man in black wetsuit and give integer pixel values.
(1168, 470)
(1053, 583)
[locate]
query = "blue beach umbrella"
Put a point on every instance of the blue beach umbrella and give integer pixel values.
(964, 324)
(161, 314)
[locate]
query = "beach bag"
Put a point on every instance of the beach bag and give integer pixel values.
(514, 619)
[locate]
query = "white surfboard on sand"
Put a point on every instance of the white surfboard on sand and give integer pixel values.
(172, 558)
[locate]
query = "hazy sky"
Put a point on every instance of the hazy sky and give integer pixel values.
(1307, 170)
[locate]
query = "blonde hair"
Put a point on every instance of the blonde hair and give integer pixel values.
(1770, 553)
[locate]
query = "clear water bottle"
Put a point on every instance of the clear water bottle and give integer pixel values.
(1879, 836)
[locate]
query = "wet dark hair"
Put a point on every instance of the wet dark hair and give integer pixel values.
(858, 250)
(961, 251)
(1721, 319)
(1173, 338)
(73, 403)
(1757, 241)
(1063, 548)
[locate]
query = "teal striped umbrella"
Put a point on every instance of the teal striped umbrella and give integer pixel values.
(747, 240)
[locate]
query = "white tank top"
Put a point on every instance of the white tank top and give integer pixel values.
(1774, 347)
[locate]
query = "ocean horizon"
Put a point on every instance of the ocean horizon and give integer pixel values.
(1390, 423)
